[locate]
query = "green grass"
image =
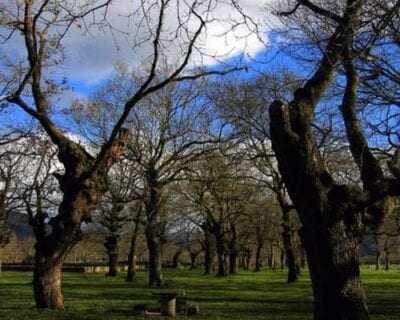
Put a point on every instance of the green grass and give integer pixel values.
(247, 295)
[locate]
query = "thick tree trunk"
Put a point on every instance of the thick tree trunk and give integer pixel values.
(289, 251)
(54, 240)
(287, 235)
(377, 259)
(155, 263)
(208, 252)
(331, 222)
(233, 251)
(112, 247)
(331, 247)
(258, 263)
(233, 262)
(131, 274)
(154, 229)
(47, 283)
(334, 269)
(220, 244)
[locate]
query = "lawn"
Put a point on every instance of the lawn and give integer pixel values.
(248, 295)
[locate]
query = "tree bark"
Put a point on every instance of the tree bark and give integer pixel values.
(112, 247)
(334, 268)
(53, 242)
(287, 235)
(332, 251)
(387, 260)
(220, 244)
(82, 186)
(233, 262)
(47, 283)
(154, 229)
(377, 259)
(208, 252)
(131, 274)
(233, 251)
(331, 222)
(155, 263)
(258, 263)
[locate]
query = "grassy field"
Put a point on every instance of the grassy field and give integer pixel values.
(247, 295)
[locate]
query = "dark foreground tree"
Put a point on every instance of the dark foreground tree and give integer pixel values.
(333, 215)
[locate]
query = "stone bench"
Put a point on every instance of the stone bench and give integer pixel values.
(167, 301)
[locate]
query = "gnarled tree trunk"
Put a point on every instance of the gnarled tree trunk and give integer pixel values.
(330, 219)
(47, 282)
(53, 242)
(334, 269)
(82, 186)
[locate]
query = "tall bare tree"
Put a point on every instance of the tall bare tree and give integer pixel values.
(333, 215)
(244, 105)
(15, 150)
(29, 84)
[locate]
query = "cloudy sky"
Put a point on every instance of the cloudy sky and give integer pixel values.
(91, 57)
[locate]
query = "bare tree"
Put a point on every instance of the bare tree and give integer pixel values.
(217, 195)
(244, 105)
(115, 210)
(333, 215)
(15, 148)
(137, 223)
(29, 84)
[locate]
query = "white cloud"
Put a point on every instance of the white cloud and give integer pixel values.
(90, 58)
